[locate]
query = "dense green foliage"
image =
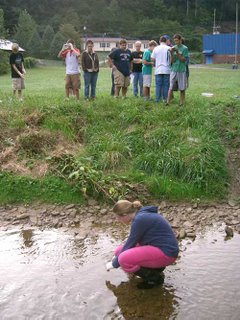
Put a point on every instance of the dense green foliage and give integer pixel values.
(34, 23)
(177, 153)
(4, 62)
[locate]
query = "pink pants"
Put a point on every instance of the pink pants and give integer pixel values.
(142, 256)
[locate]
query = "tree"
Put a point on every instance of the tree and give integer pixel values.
(35, 44)
(25, 29)
(56, 44)
(69, 32)
(47, 39)
(72, 18)
(3, 32)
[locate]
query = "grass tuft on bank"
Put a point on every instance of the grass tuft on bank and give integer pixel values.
(114, 148)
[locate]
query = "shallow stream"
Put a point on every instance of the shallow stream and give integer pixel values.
(59, 274)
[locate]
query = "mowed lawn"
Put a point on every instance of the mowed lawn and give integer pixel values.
(48, 81)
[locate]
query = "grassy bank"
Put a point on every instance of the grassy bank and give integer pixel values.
(110, 148)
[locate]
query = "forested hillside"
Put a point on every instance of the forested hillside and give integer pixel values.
(34, 23)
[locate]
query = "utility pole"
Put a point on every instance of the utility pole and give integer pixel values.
(187, 11)
(195, 12)
(215, 28)
(236, 40)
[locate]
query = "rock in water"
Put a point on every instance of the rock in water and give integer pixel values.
(229, 231)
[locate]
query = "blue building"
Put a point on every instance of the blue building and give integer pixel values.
(220, 48)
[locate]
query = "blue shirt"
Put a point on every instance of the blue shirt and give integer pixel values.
(121, 59)
(150, 228)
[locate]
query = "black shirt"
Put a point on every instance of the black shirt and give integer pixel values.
(137, 67)
(17, 59)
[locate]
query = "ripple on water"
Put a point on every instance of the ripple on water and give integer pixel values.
(53, 275)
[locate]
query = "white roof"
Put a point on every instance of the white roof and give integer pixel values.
(109, 39)
(7, 45)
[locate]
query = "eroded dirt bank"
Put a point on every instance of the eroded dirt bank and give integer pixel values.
(186, 219)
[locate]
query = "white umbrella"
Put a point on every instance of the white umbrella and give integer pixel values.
(7, 45)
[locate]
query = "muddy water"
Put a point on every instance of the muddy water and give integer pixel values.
(57, 274)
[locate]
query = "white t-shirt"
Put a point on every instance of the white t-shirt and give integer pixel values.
(71, 61)
(162, 58)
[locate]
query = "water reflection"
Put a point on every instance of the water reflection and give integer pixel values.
(65, 278)
(135, 304)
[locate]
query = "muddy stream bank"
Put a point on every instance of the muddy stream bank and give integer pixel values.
(53, 265)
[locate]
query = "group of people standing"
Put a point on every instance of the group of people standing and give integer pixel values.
(171, 68)
(170, 62)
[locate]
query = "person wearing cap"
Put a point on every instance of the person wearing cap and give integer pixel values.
(161, 57)
(151, 244)
(71, 54)
(17, 70)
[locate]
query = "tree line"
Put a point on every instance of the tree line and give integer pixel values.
(41, 27)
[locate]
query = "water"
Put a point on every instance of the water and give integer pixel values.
(52, 274)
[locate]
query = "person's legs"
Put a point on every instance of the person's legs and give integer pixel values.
(124, 91)
(117, 91)
(113, 85)
(157, 80)
(135, 84)
(182, 97)
(170, 96)
(75, 85)
(94, 76)
(166, 79)
(68, 85)
(140, 79)
(86, 84)
(151, 257)
(119, 80)
(19, 94)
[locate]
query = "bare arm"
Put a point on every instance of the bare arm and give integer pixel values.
(18, 72)
(110, 63)
(147, 62)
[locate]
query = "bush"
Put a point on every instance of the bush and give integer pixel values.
(30, 62)
(4, 63)
(196, 57)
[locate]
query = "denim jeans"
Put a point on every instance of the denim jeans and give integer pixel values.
(162, 86)
(138, 80)
(90, 80)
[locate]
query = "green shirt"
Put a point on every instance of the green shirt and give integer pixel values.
(147, 68)
(177, 65)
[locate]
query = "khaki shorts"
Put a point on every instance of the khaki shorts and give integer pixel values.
(147, 80)
(72, 81)
(120, 80)
(18, 83)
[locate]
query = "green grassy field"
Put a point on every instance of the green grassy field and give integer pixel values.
(176, 153)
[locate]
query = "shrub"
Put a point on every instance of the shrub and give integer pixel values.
(4, 64)
(30, 62)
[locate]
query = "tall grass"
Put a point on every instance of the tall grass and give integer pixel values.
(178, 153)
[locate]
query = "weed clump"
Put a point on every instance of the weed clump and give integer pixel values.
(35, 142)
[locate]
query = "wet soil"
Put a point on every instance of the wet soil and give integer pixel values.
(186, 219)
